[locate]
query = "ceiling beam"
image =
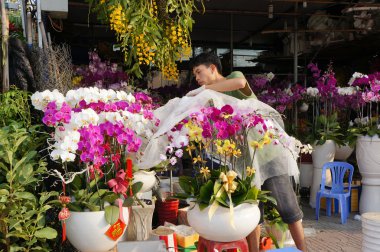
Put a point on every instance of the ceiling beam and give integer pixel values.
(315, 31)
(254, 46)
(265, 13)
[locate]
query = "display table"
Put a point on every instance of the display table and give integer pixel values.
(287, 249)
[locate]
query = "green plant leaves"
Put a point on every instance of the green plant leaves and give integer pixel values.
(136, 187)
(26, 196)
(46, 233)
(111, 214)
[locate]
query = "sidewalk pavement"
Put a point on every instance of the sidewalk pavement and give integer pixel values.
(328, 234)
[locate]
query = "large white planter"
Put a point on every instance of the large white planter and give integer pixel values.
(86, 231)
(371, 231)
(321, 154)
(246, 217)
(306, 174)
(368, 157)
(343, 152)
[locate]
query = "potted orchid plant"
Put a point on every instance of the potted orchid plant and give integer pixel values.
(366, 131)
(223, 191)
(97, 134)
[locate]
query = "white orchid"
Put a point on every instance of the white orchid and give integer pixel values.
(346, 90)
(41, 99)
(313, 92)
(355, 76)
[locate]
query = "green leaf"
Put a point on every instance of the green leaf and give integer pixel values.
(97, 195)
(206, 191)
(92, 207)
(110, 198)
(10, 157)
(46, 233)
(45, 196)
(186, 182)
(252, 193)
(111, 214)
(18, 142)
(202, 205)
(26, 195)
(136, 187)
(75, 207)
(128, 202)
(4, 192)
(14, 248)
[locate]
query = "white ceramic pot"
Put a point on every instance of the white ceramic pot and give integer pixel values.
(371, 231)
(368, 157)
(306, 174)
(246, 217)
(140, 224)
(86, 231)
(148, 178)
(321, 154)
(343, 152)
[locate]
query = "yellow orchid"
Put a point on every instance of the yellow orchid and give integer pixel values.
(250, 171)
(197, 159)
(267, 139)
(190, 148)
(256, 144)
(236, 153)
(205, 172)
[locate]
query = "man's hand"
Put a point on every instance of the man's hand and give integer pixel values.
(196, 91)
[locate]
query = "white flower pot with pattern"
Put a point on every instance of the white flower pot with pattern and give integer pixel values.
(321, 154)
(86, 231)
(148, 178)
(368, 157)
(245, 216)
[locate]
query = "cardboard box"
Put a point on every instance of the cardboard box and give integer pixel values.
(187, 241)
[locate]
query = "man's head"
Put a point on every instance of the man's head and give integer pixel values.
(206, 68)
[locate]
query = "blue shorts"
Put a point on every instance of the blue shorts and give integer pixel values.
(282, 191)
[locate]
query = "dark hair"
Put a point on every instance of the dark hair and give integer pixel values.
(206, 59)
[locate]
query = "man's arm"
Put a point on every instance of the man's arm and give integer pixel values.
(227, 85)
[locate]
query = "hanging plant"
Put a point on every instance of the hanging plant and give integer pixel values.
(150, 32)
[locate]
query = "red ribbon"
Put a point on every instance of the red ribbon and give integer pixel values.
(119, 184)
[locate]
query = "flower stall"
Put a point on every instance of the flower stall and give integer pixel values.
(103, 131)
